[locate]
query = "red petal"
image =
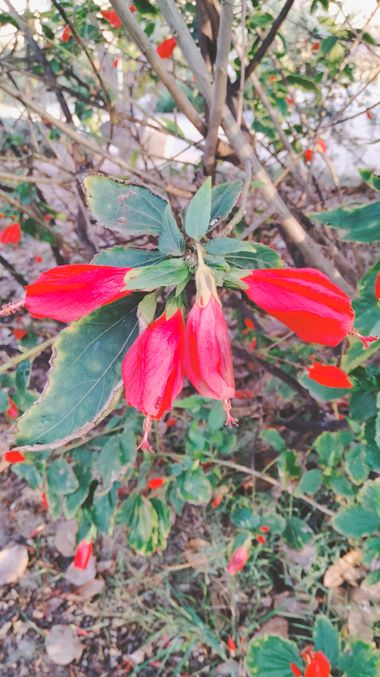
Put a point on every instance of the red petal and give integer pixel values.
(153, 366)
(319, 666)
(66, 34)
(166, 48)
(82, 555)
(14, 456)
(12, 410)
(295, 670)
(67, 293)
(208, 358)
(305, 300)
(156, 482)
(264, 529)
(321, 145)
(231, 644)
(377, 286)
(11, 234)
(238, 560)
(328, 375)
(261, 539)
(112, 17)
(308, 155)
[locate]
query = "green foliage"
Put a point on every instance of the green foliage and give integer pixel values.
(198, 212)
(164, 274)
(171, 240)
(223, 199)
(272, 655)
(362, 224)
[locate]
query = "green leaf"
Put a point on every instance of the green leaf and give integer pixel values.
(326, 639)
(164, 517)
(171, 240)
(310, 482)
(103, 511)
(362, 224)
(223, 199)
(372, 179)
(142, 524)
(28, 472)
(272, 437)
(330, 447)
(271, 656)
(3, 401)
(198, 213)
(366, 306)
(128, 258)
(166, 274)
(356, 467)
(297, 533)
(124, 207)
(85, 377)
(244, 518)
(355, 521)
(108, 464)
(61, 478)
(360, 660)
(340, 485)
(302, 83)
(371, 550)
(369, 496)
(242, 254)
(194, 487)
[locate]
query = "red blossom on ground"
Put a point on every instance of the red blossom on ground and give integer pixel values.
(66, 34)
(14, 456)
(82, 555)
(11, 234)
(243, 394)
(111, 17)
(238, 560)
(305, 300)
(328, 375)
(156, 482)
(166, 48)
(69, 292)
(308, 155)
(12, 410)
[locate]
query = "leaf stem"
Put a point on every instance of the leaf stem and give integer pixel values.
(33, 352)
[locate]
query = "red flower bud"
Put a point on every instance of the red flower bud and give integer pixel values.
(208, 358)
(112, 17)
(216, 501)
(231, 644)
(11, 234)
(308, 155)
(305, 300)
(249, 324)
(44, 501)
(82, 555)
(319, 666)
(238, 560)
(329, 375)
(264, 529)
(14, 456)
(156, 483)
(377, 286)
(315, 46)
(132, 8)
(67, 293)
(66, 34)
(115, 63)
(166, 48)
(261, 539)
(369, 114)
(12, 410)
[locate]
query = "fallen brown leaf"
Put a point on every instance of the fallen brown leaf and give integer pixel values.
(62, 645)
(346, 569)
(13, 562)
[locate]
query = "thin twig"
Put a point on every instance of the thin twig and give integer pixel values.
(28, 354)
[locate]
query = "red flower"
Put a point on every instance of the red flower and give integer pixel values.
(132, 8)
(295, 670)
(308, 155)
(153, 369)
(67, 293)
(82, 555)
(377, 286)
(231, 644)
(328, 375)
(261, 539)
(305, 300)
(238, 560)
(44, 501)
(14, 456)
(112, 17)
(264, 529)
(208, 358)
(115, 63)
(315, 46)
(321, 145)
(156, 483)
(12, 410)
(19, 333)
(166, 48)
(66, 34)
(319, 666)
(11, 234)
(249, 324)
(216, 501)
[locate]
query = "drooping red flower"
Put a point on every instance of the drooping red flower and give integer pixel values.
(272, 78)
(11, 234)
(305, 300)
(12, 410)
(329, 375)
(171, 422)
(377, 286)
(112, 17)
(319, 666)
(153, 369)
(308, 155)
(19, 333)
(231, 645)
(156, 482)
(208, 358)
(82, 555)
(238, 560)
(249, 323)
(166, 48)
(67, 293)
(66, 34)
(14, 456)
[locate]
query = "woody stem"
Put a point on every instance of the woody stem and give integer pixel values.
(199, 249)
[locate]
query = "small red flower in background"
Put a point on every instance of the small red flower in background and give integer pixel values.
(132, 8)
(253, 344)
(377, 286)
(216, 501)
(264, 529)
(321, 145)
(305, 300)
(166, 48)
(231, 645)
(171, 422)
(243, 394)
(44, 501)
(19, 333)
(369, 114)
(12, 410)
(156, 483)
(308, 155)
(115, 62)
(272, 78)
(249, 323)
(14, 456)
(261, 539)
(112, 17)
(315, 46)
(238, 560)
(66, 34)
(328, 375)
(289, 100)
(11, 234)
(82, 555)
(38, 259)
